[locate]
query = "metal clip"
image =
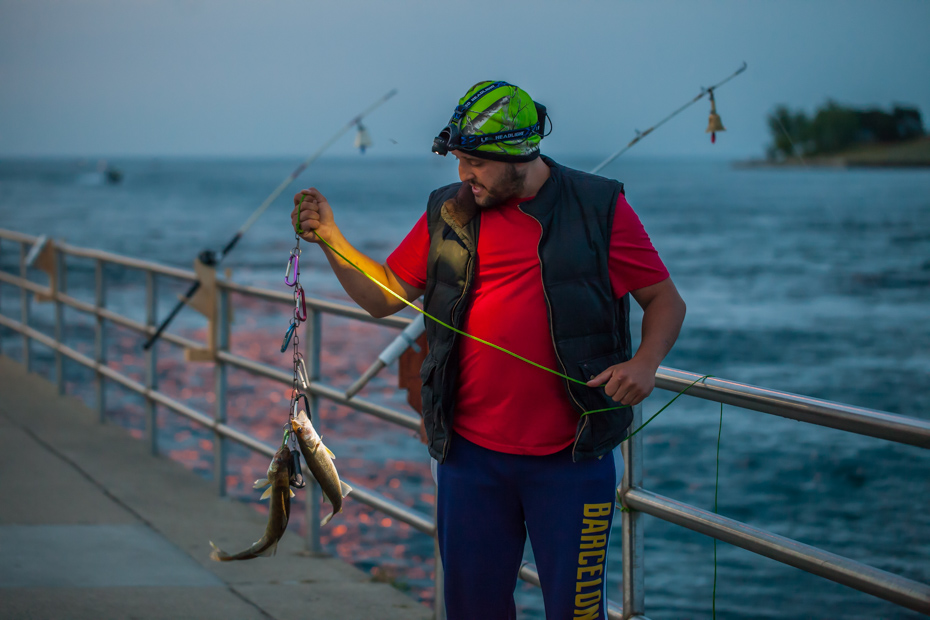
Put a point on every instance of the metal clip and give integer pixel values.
(300, 311)
(295, 408)
(293, 268)
(295, 475)
(287, 336)
(302, 376)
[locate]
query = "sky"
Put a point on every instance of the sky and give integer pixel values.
(260, 78)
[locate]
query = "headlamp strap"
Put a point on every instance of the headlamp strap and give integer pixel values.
(473, 141)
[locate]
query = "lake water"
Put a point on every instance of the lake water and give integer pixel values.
(812, 281)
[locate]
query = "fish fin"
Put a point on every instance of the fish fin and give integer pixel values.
(329, 452)
(346, 489)
(218, 554)
(292, 493)
(262, 482)
(270, 551)
(327, 518)
(267, 493)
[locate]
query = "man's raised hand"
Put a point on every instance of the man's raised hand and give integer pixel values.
(316, 216)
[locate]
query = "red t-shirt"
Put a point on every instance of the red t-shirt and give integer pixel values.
(505, 404)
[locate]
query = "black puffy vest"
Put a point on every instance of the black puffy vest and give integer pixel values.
(590, 329)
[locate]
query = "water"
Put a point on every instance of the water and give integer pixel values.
(809, 281)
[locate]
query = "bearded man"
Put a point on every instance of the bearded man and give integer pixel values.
(540, 260)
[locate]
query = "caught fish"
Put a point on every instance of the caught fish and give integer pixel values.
(279, 490)
(320, 462)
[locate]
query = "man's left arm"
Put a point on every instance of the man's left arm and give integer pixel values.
(631, 382)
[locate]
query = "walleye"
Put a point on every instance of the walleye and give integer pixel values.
(320, 462)
(278, 483)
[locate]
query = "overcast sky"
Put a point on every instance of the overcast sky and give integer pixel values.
(279, 77)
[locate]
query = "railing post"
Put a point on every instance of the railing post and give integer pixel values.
(1, 298)
(24, 308)
(151, 363)
(632, 525)
(221, 324)
(314, 335)
(1, 305)
(100, 347)
(60, 280)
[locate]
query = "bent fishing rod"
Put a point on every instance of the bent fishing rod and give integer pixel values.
(211, 258)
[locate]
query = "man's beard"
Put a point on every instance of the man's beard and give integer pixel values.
(510, 187)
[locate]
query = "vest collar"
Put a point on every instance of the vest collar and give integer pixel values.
(547, 196)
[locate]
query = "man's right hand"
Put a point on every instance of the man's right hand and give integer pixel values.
(316, 216)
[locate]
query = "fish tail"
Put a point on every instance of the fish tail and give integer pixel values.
(327, 518)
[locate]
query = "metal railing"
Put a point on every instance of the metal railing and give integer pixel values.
(637, 500)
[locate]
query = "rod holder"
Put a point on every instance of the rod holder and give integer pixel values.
(205, 302)
(42, 256)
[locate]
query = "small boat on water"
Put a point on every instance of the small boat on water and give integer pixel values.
(105, 174)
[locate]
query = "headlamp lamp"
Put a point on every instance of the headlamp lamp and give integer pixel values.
(447, 139)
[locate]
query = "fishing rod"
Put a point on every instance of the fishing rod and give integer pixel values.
(211, 258)
(642, 134)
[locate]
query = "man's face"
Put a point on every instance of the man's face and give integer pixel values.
(492, 182)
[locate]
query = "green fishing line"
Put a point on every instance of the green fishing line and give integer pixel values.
(716, 487)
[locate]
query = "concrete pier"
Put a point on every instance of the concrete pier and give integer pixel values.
(92, 526)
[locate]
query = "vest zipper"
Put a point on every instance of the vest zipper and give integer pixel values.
(445, 445)
(552, 333)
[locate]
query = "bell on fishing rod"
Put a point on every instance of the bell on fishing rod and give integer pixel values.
(713, 123)
(362, 139)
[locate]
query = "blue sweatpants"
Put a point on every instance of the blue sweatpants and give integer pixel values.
(487, 503)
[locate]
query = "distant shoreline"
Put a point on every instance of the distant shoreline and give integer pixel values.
(911, 154)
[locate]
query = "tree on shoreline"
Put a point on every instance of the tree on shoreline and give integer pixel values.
(835, 128)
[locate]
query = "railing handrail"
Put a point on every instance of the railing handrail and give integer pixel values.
(869, 422)
(860, 420)
(830, 414)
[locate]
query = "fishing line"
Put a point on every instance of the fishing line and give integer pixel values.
(794, 148)
(716, 487)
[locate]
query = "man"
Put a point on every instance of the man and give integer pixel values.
(538, 259)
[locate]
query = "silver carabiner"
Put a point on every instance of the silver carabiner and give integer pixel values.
(302, 375)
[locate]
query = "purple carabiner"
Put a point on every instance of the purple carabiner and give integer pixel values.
(293, 269)
(300, 311)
